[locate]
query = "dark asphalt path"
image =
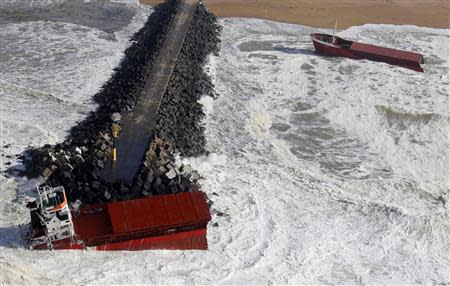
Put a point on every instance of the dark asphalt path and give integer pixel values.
(138, 125)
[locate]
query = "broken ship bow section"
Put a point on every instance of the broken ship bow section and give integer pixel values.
(335, 46)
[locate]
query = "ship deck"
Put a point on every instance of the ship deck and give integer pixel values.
(133, 219)
(389, 53)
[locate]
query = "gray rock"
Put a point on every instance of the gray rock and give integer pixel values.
(100, 164)
(147, 193)
(161, 170)
(115, 117)
(195, 176)
(67, 167)
(67, 175)
(100, 154)
(63, 159)
(78, 159)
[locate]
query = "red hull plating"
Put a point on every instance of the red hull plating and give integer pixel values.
(188, 240)
(333, 51)
(325, 45)
(175, 221)
(195, 239)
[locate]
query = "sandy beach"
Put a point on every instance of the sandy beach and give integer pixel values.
(322, 13)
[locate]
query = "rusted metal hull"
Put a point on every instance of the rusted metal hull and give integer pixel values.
(177, 221)
(354, 50)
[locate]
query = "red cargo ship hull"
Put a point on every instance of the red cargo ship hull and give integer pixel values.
(187, 240)
(338, 47)
(175, 221)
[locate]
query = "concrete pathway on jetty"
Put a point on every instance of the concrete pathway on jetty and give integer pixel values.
(138, 125)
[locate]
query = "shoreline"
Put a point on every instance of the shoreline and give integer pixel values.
(322, 13)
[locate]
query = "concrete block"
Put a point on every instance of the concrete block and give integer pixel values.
(171, 174)
(187, 170)
(67, 167)
(47, 172)
(78, 159)
(78, 150)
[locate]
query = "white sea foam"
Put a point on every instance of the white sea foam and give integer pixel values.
(322, 171)
(32, 3)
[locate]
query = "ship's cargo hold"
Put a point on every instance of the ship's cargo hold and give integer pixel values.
(176, 221)
(335, 46)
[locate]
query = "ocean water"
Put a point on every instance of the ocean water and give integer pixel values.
(322, 170)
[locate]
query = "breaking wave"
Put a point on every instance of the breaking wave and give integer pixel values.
(402, 117)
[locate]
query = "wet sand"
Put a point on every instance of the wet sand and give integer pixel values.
(322, 13)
